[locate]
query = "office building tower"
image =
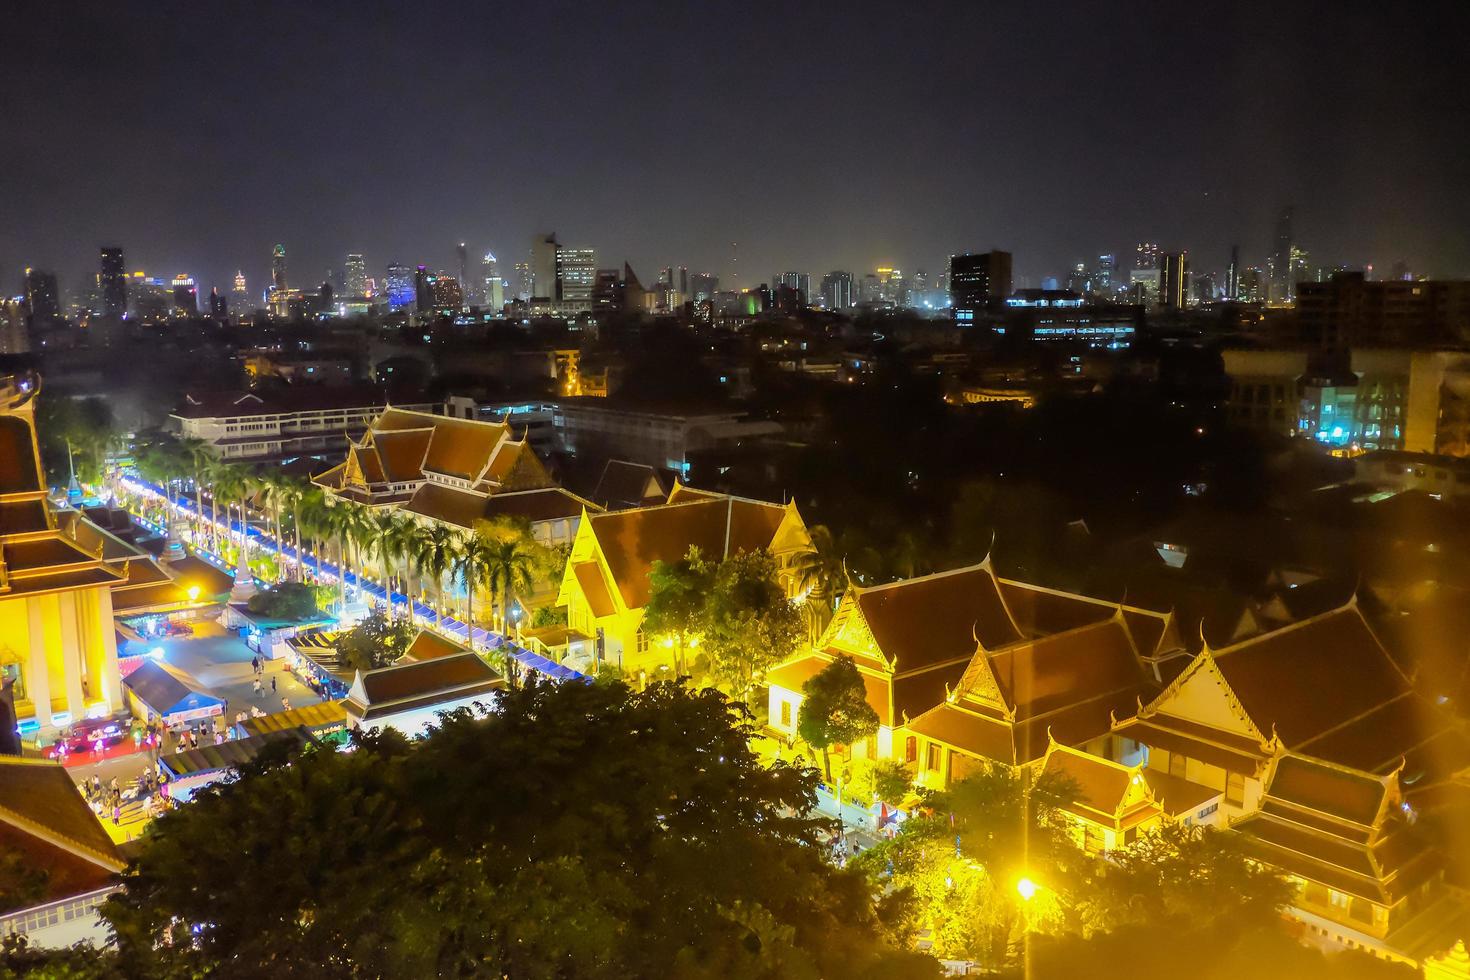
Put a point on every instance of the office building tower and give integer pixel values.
(1251, 288)
(576, 271)
(1173, 280)
(467, 295)
(1232, 276)
(837, 290)
(42, 297)
(355, 277)
(218, 308)
(1350, 311)
(278, 267)
(704, 286)
(1146, 255)
(401, 289)
(423, 290)
(239, 294)
(446, 292)
(1282, 288)
(543, 266)
(1107, 272)
(801, 282)
(1143, 286)
(666, 277)
(525, 281)
(186, 295)
(494, 294)
(683, 284)
(1079, 280)
(114, 282)
(978, 280)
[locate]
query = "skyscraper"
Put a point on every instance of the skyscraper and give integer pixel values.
(186, 295)
(1173, 280)
(423, 290)
(278, 267)
(1146, 255)
(1107, 272)
(525, 281)
(543, 266)
(43, 299)
(979, 279)
(494, 294)
(837, 290)
(401, 289)
(1232, 275)
(1282, 288)
(799, 281)
(218, 308)
(355, 275)
(576, 272)
(704, 285)
(467, 294)
(683, 283)
(239, 295)
(114, 282)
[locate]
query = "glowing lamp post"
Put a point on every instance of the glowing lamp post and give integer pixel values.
(1027, 889)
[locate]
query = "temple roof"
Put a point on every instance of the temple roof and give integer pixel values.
(406, 686)
(44, 820)
(937, 618)
(624, 484)
(632, 540)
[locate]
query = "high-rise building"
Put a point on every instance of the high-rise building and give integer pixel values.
(186, 295)
(1144, 285)
(402, 291)
(423, 289)
(576, 271)
(218, 307)
(494, 295)
(1350, 311)
(1173, 280)
(525, 281)
(799, 281)
(355, 275)
(543, 266)
(278, 267)
(42, 297)
(683, 284)
(446, 292)
(1146, 255)
(1232, 275)
(837, 290)
(1282, 288)
(240, 294)
(978, 280)
(467, 295)
(1107, 271)
(114, 282)
(704, 286)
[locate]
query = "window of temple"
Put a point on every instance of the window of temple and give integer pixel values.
(910, 749)
(931, 763)
(785, 714)
(1235, 788)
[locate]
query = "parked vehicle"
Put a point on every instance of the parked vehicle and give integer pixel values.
(85, 736)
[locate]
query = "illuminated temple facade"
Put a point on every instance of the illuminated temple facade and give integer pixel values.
(58, 648)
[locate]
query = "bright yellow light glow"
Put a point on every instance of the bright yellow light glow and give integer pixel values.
(193, 593)
(1027, 888)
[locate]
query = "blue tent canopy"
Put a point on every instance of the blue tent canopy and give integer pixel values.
(168, 696)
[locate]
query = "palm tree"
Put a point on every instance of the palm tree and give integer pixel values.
(822, 577)
(199, 456)
(216, 471)
(511, 565)
(384, 543)
(293, 497)
(471, 559)
(436, 556)
(409, 536)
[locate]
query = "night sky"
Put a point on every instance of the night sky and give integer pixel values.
(817, 136)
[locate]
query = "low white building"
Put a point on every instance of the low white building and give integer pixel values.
(45, 821)
(410, 697)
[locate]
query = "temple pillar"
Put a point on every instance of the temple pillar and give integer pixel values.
(72, 655)
(109, 676)
(38, 669)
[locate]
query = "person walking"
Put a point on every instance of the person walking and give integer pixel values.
(285, 705)
(273, 683)
(258, 689)
(255, 664)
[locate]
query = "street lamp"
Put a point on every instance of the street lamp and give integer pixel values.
(1027, 889)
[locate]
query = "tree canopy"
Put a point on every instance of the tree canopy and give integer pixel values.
(835, 709)
(575, 831)
(376, 641)
(286, 600)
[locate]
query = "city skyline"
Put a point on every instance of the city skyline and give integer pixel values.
(1092, 135)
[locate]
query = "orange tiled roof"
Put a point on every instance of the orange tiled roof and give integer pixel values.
(589, 577)
(632, 540)
(937, 618)
(401, 453)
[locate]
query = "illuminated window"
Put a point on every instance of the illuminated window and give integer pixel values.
(931, 762)
(910, 749)
(785, 714)
(641, 641)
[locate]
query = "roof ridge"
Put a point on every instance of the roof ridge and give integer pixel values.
(978, 566)
(57, 839)
(1289, 627)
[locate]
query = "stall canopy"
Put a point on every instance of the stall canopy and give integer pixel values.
(317, 719)
(167, 695)
(228, 755)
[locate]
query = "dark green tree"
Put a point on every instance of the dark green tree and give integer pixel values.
(576, 831)
(286, 601)
(835, 709)
(677, 594)
(750, 624)
(376, 641)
